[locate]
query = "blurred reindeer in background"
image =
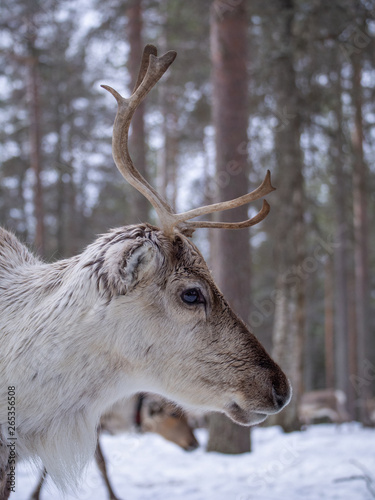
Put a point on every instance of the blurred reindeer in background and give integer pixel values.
(323, 404)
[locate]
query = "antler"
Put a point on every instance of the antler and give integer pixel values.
(151, 70)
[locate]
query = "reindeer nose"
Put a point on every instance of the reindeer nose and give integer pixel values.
(192, 446)
(281, 392)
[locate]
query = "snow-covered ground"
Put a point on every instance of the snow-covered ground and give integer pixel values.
(323, 462)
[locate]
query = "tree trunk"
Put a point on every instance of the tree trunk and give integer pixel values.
(35, 142)
(60, 215)
(137, 142)
(60, 192)
(168, 166)
(232, 263)
(360, 242)
(289, 323)
(340, 256)
(329, 326)
(352, 349)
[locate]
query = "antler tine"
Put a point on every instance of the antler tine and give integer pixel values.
(262, 214)
(147, 51)
(147, 78)
(264, 189)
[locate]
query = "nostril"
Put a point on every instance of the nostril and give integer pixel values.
(192, 447)
(281, 397)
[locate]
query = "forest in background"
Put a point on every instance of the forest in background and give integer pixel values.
(303, 279)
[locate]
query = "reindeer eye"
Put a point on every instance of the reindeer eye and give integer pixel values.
(193, 296)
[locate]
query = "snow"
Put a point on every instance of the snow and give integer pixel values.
(323, 462)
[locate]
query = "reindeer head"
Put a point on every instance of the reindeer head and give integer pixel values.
(163, 417)
(189, 344)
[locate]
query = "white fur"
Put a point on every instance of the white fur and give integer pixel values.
(64, 376)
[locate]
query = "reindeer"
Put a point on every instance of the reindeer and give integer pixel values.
(324, 403)
(145, 413)
(150, 413)
(136, 311)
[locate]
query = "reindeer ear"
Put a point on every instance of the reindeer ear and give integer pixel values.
(128, 264)
(139, 263)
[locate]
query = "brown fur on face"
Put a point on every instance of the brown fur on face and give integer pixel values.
(221, 352)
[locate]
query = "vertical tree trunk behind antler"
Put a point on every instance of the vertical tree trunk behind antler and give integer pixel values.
(289, 322)
(137, 143)
(35, 138)
(61, 239)
(231, 258)
(168, 163)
